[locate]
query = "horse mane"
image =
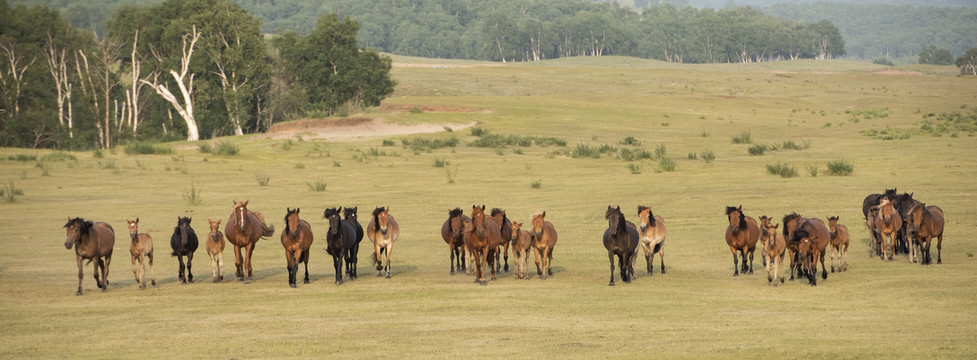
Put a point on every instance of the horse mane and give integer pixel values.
(730, 210)
(788, 218)
(85, 225)
(622, 224)
(454, 213)
(330, 212)
(890, 193)
(376, 219)
(289, 212)
(799, 234)
(651, 215)
(347, 212)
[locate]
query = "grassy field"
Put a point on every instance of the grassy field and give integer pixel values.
(698, 309)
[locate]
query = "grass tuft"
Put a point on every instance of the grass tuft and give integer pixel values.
(840, 168)
(782, 169)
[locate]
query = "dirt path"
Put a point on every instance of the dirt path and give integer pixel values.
(352, 128)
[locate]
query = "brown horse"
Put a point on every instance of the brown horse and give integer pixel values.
(94, 242)
(875, 244)
(544, 239)
(483, 236)
(297, 240)
(141, 249)
(215, 249)
(839, 243)
(651, 236)
(889, 223)
(521, 241)
(741, 235)
(383, 231)
(244, 228)
(925, 223)
(451, 232)
(812, 238)
(791, 222)
(505, 227)
(773, 244)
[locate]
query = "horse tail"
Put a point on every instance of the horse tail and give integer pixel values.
(374, 257)
(266, 230)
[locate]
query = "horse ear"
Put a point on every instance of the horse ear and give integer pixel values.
(740, 208)
(776, 226)
(543, 215)
(137, 220)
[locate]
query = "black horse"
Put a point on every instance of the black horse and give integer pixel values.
(340, 238)
(349, 216)
(621, 239)
(184, 243)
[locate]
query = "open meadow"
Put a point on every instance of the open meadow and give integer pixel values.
(801, 115)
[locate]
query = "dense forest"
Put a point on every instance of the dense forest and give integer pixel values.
(871, 29)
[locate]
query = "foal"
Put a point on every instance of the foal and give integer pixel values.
(839, 242)
(215, 248)
(141, 248)
(521, 241)
(774, 247)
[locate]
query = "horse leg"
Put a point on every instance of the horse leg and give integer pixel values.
(213, 266)
(549, 261)
(183, 278)
(939, 249)
(824, 271)
(305, 260)
(661, 256)
(885, 247)
(545, 263)
(610, 258)
(736, 263)
(135, 272)
(390, 247)
(451, 258)
(289, 259)
(220, 267)
(337, 264)
(238, 263)
(152, 268)
(81, 274)
(249, 250)
(142, 272)
(494, 266)
(751, 260)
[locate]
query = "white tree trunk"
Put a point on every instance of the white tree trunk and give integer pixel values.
(185, 83)
(57, 66)
(16, 71)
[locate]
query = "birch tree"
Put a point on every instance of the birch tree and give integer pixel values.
(15, 65)
(57, 62)
(184, 82)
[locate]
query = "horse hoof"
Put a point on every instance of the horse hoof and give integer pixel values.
(306, 281)
(154, 282)
(246, 282)
(476, 281)
(142, 287)
(215, 280)
(104, 289)
(483, 283)
(292, 285)
(79, 293)
(388, 276)
(190, 281)
(183, 282)
(452, 272)
(736, 274)
(506, 268)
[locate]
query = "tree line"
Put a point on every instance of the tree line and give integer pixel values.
(182, 69)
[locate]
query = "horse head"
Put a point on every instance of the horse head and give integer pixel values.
(914, 218)
(833, 224)
(332, 214)
(133, 226)
(380, 217)
(790, 223)
(737, 220)
(537, 223)
(515, 230)
(646, 217)
(350, 214)
(75, 229)
(885, 209)
(241, 211)
(804, 246)
(454, 217)
(183, 227)
(214, 229)
(478, 219)
(292, 222)
(614, 219)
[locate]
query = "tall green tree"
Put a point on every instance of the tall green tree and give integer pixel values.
(935, 56)
(331, 67)
(968, 62)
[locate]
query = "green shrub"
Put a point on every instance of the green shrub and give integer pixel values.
(708, 156)
(317, 186)
(388, 142)
(225, 147)
(262, 179)
(10, 192)
(440, 163)
(146, 148)
(631, 154)
(635, 168)
(840, 168)
(192, 197)
(60, 156)
(22, 157)
(757, 149)
(743, 138)
(549, 141)
(813, 170)
(630, 140)
(536, 184)
(478, 131)
(666, 164)
(660, 151)
(782, 169)
(585, 151)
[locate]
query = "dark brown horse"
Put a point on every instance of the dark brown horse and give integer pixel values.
(791, 222)
(889, 222)
(812, 238)
(773, 244)
(352, 254)
(141, 249)
(215, 249)
(184, 243)
(651, 234)
(742, 235)
(925, 223)
(544, 240)
(873, 200)
(244, 228)
(93, 241)
(297, 240)
(840, 238)
(482, 236)
(340, 238)
(506, 227)
(875, 243)
(451, 232)
(521, 241)
(383, 230)
(620, 239)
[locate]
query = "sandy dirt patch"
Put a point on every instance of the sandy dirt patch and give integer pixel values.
(352, 128)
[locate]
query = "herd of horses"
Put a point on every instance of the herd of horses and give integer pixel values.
(480, 242)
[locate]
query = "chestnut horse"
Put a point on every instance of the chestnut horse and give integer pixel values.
(215, 249)
(544, 239)
(741, 235)
(773, 244)
(521, 241)
(651, 235)
(141, 249)
(621, 239)
(352, 254)
(482, 236)
(184, 243)
(340, 238)
(383, 231)
(791, 222)
(505, 226)
(244, 228)
(868, 203)
(925, 223)
(811, 237)
(451, 232)
(889, 223)
(297, 240)
(875, 244)
(839, 243)
(92, 242)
